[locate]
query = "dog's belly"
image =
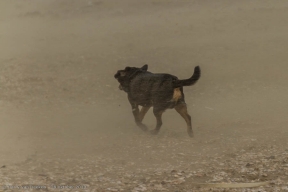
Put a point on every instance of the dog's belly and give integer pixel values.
(163, 96)
(144, 102)
(169, 104)
(146, 105)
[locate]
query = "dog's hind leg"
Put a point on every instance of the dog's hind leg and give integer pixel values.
(182, 110)
(136, 114)
(158, 114)
(143, 112)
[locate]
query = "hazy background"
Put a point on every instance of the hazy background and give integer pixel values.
(58, 96)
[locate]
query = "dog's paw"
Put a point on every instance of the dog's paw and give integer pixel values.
(190, 133)
(154, 132)
(143, 128)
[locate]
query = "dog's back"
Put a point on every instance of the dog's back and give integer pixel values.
(149, 88)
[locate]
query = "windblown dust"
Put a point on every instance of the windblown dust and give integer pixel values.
(65, 122)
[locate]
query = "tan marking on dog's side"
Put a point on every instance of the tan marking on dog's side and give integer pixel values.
(176, 94)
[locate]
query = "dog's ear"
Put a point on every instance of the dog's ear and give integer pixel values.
(145, 67)
(127, 68)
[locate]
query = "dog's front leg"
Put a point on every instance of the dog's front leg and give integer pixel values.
(136, 114)
(143, 112)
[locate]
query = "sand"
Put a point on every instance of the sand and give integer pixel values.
(59, 99)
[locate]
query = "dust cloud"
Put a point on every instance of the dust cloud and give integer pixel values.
(61, 107)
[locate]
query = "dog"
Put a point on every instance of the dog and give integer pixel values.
(158, 90)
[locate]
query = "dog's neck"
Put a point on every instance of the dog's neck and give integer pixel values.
(130, 77)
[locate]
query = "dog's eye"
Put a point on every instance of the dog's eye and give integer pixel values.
(122, 73)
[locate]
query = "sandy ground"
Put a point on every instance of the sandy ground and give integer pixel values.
(65, 122)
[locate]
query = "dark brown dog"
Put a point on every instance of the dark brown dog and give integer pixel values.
(160, 91)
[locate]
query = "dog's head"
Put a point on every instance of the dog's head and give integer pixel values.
(124, 76)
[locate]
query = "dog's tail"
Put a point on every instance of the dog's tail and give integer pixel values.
(191, 81)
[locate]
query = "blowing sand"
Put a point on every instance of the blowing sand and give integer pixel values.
(64, 122)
